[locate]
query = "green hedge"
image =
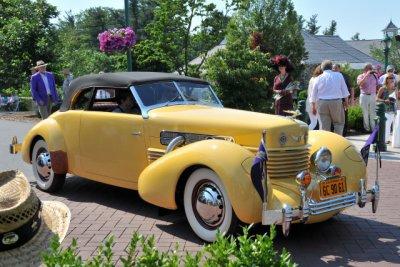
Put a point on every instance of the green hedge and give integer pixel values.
(245, 250)
(355, 118)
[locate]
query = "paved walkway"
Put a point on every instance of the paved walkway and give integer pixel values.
(390, 154)
(355, 237)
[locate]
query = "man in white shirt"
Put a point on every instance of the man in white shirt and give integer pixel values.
(328, 90)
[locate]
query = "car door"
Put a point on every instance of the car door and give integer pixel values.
(112, 145)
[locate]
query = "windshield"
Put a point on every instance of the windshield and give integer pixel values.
(173, 93)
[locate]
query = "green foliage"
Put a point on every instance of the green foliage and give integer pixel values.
(56, 256)
(394, 54)
(352, 74)
(142, 14)
(355, 118)
(331, 30)
(92, 21)
(243, 77)
(171, 39)
(356, 37)
(78, 45)
(246, 250)
(312, 27)
(240, 77)
(271, 18)
(302, 95)
(26, 35)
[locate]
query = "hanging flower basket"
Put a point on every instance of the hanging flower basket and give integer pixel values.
(117, 40)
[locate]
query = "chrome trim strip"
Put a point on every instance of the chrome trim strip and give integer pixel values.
(332, 204)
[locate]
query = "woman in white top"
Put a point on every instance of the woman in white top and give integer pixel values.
(396, 125)
(313, 118)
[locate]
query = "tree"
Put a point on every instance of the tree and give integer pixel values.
(393, 56)
(142, 15)
(94, 20)
(172, 38)
(240, 77)
(278, 24)
(241, 73)
(312, 27)
(78, 47)
(331, 30)
(356, 37)
(26, 35)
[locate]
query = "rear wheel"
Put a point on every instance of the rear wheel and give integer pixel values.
(207, 206)
(46, 179)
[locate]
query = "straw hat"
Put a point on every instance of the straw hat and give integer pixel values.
(40, 63)
(26, 223)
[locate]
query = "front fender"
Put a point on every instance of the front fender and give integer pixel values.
(344, 155)
(157, 183)
(51, 132)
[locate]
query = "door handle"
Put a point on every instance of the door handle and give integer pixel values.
(137, 133)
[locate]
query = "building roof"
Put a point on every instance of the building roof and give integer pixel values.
(198, 60)
(332, 47)
(390, 26)
(366, 45)
(319, 48)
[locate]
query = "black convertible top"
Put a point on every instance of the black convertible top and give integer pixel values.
(119, 80)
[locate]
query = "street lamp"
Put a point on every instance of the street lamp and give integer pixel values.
(388, 42)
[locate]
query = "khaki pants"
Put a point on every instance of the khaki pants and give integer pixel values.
(45, 111)
(368, 106)
(331, 111)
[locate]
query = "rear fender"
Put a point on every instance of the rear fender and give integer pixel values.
(158, 182)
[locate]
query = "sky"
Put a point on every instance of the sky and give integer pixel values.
(368, 18)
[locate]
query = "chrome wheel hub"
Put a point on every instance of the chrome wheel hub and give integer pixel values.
(44, 165)
(208, 204)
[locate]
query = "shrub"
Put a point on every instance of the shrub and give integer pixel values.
(302, 95)
(245, 250)
(355, 118)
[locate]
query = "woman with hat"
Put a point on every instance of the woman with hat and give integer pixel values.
(282, 82)
(27, 224)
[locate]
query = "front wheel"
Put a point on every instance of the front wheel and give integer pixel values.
(46, 179)
(207, 206)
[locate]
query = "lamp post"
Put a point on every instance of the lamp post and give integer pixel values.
(128, 54)
(387, 41)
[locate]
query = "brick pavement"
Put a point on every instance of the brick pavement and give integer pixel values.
(356, 237)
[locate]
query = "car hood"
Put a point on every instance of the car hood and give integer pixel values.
(245, 127)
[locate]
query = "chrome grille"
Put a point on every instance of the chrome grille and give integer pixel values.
(154, 154)
(287, 162)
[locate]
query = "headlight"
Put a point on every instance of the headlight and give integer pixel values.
(323, 159)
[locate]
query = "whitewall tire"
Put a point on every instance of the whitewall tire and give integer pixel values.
(46, 179)
(207, 206)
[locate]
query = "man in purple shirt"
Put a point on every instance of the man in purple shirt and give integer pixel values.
(43, 89)
(368, 82)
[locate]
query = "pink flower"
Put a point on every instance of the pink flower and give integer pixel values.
(115, 40)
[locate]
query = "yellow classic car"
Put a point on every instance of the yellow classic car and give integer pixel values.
(170, 138)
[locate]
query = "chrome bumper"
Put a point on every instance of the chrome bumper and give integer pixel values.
(311, 207)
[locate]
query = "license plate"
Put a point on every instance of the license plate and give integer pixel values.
(332, 187)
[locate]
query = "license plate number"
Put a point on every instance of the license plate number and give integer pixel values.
(332, 187)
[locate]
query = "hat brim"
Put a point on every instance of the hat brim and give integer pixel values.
(55, 221)
(43, 65)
